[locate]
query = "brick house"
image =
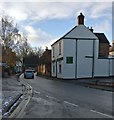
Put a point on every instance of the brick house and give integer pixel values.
(103, 45)
(44, 67)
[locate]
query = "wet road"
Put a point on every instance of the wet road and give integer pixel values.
(56, 99)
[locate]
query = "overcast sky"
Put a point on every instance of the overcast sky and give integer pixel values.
(45, 22)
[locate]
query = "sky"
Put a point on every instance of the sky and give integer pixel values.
(45, 22)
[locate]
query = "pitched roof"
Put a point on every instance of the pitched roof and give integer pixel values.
(64, 35)
(102, 38)
(78, 32)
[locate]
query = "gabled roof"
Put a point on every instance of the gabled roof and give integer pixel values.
(102, 38)
(78, 32)
(64, 35)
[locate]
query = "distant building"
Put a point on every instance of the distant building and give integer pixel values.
(81, 53)
(103, 45)
(18, 66)
(4, 70)
(44, 67)
(111, 50)
(30, 61)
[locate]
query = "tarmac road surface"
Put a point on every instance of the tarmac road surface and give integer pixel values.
(56, 99)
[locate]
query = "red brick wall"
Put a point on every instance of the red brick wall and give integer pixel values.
(103, 49)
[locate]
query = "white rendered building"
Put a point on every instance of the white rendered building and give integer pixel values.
(76, 55)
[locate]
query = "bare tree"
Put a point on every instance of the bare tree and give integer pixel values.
(7, 31)
(13, 40)
(38, 51)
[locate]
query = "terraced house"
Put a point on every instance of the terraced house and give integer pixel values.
(81, 53)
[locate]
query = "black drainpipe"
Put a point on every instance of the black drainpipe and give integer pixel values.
(76, 60)
(93, 59)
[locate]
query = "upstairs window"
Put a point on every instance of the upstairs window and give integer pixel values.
(53, 52)
(59, 48)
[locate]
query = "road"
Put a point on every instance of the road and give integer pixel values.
(56, 99)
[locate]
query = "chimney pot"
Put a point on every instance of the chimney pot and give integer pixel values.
(91, 29)
(81, 19)
(46, 48)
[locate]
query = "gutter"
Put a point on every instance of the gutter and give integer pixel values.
(16, 108)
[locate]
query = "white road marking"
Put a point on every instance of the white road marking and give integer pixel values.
(71, 103)
(102, 113)
(36, 92)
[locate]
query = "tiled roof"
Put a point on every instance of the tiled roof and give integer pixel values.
(64, 35)
(102, 38)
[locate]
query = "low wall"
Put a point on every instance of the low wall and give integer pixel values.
(111, 65)
(104, 67)
(101, 68)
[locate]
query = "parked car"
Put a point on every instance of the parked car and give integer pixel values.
(29, 74)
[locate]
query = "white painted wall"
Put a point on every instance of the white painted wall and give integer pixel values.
(84, 64)
(60, 75)
(101, 68)
(56, 56)
(111, 63)
(96, 48)
(53, 74)
(69, 51)
(56, 50)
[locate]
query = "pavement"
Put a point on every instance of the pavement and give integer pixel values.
(12, 90)
(102, 83)
(106, 83)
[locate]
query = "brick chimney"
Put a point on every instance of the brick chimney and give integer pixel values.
(81, 19)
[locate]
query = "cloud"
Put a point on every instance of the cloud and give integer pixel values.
(103, 25)
(15, 10)
(38, 11)
(30, 11)
(37, 37)
(101, 10)
(56, 1)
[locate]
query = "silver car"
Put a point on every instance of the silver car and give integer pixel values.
(29, 74)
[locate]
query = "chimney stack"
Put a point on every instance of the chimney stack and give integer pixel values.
(81, 19)
(46, 48)
(91, 29)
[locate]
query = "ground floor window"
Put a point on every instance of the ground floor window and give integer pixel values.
(60, 69)
(53, 68)
(69, 60)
